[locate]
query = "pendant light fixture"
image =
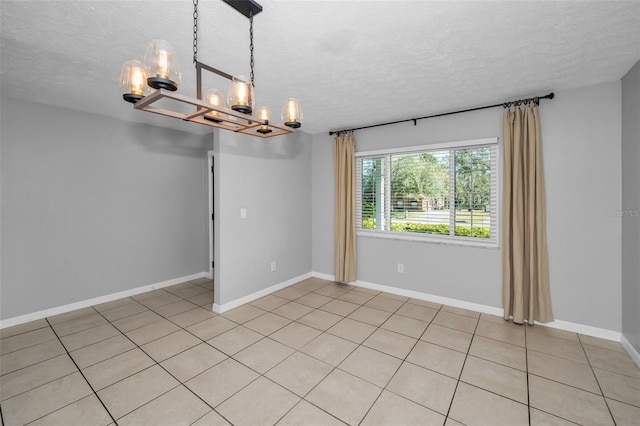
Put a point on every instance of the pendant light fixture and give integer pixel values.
(241, 97)
(160, 62)
(133, 81)
(291, 113)
(160, 70)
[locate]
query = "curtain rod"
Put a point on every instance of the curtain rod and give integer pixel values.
(504, 104)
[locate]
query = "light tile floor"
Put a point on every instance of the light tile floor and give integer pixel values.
(316, 353)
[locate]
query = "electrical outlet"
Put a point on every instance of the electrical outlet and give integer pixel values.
(273, 266)
(401, 268)
(243, 213)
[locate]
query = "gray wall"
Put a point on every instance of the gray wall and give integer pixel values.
(92, 206)
(581, 139)
(271, 179)
(631, 204)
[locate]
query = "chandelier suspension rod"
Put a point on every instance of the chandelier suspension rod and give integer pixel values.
(252, 76)
(200, 65)
(504, 104)
(195, 31)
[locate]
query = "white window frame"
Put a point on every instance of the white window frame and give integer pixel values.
(492, 242)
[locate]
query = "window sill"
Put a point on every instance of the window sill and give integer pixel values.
(427, 238)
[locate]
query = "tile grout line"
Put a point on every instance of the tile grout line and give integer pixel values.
(202, 342)
(527, 378)
(103, 340)
(82, 374)
(157, 363)
(402, 361)
(417, 340)
(136, 346)
(263, 374)
(566, 384)
(350, 353)
(580, 363)
(400, 365)
(22, 332)
(441, 308)
(466, 356)
(228, 357)
(303, 398)
(29, 346)
(232, 356)
(162, 367)
(597, 381)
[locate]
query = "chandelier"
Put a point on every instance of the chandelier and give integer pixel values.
(157, 77)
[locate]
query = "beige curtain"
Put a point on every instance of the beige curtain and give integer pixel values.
(345, 210)
(525, 289)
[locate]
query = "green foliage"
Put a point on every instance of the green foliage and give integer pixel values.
(422, 228)
(439, 229)
(368, 224)
(473, 177)
(368, 210)
(477, 232)
(420, 175)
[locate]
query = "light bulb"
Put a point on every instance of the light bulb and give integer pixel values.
(214, 97)
(137, 80)
(264, 114)
(242, 94)
(163, 61)
(292, 111)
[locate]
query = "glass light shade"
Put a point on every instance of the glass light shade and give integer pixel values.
(133, 81)
(241, 97)
(264, 115)
(161, 63)
(292, 113)
(214, 97)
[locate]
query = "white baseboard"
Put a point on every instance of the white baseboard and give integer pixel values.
(633, 353)
(323, 276)
(490, 310)
(418, 295)
(219, 309)
(587, 330)
(431, 298)
(9, 322)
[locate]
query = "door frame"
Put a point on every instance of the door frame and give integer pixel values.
(211, 217)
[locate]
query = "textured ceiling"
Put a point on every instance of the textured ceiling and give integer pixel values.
(350, 63)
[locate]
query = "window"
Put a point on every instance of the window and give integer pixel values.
(445, 192)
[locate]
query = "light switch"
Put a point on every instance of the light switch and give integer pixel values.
(243, 213)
